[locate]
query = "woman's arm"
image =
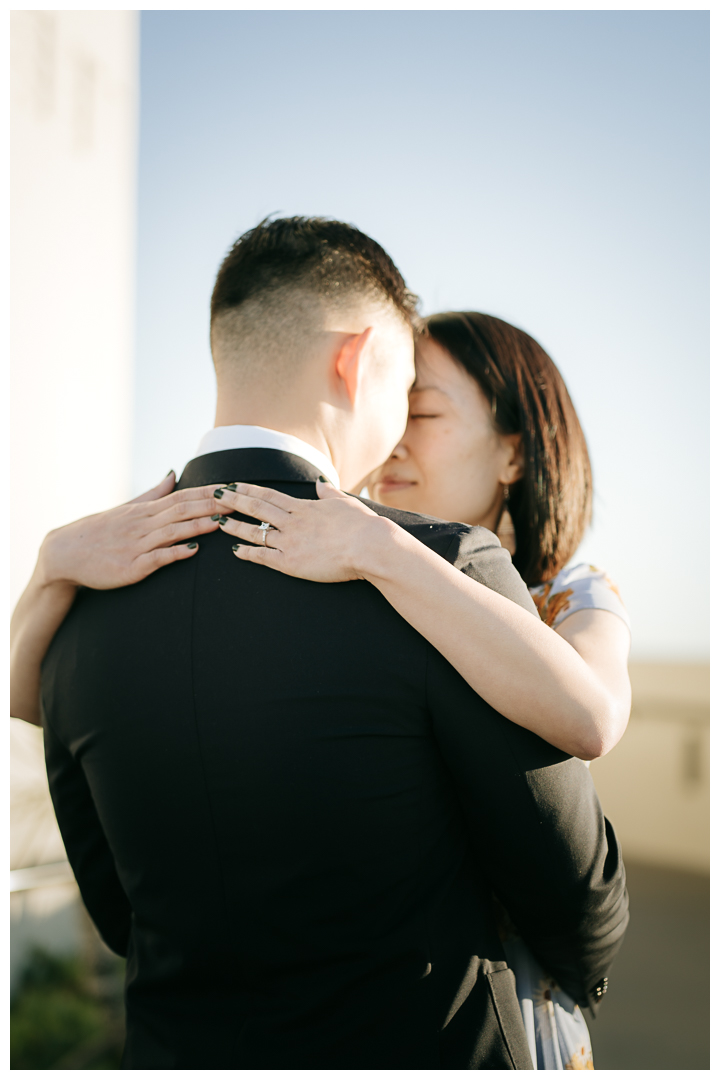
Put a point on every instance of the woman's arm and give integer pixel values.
(570, 687)
(104, 551)
(38, 615)
(603, 641)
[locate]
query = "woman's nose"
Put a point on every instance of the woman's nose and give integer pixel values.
(399, 453)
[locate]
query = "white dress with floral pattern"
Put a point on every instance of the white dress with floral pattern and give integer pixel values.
(556, 1029)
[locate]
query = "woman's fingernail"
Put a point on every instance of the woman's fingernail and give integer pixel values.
(222, 521)
(235, 547)
(218, 493)
(216, 517)
(323, 479)
(169, 474)
(193, 544)
(231, 487)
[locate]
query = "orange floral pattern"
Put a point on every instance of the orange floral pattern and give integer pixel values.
(549, 607)
(577, 588)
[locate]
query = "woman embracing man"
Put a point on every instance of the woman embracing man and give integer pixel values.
(492, 441)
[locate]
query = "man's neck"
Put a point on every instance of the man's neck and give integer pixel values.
(308, 432)
(317, 430)
(253, 436)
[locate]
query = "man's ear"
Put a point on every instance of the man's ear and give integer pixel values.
(349, 361)
(515, 466)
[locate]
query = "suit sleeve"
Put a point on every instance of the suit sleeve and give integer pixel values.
(478, 553)
(536, 824)
(87, 849)
(532, 811)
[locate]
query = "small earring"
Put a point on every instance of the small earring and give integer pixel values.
(505, 531)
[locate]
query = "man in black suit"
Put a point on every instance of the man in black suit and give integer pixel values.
(280, 802)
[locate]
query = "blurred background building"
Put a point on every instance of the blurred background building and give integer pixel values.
(73, 190)
(74, 127)
(547, 167)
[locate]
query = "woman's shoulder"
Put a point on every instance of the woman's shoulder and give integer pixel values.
(577, 588)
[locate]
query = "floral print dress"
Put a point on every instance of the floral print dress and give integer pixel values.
(556, 1029)
(577, 588)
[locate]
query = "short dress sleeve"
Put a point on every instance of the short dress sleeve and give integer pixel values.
(577, 588)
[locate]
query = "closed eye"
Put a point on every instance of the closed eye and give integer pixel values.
(424, 416)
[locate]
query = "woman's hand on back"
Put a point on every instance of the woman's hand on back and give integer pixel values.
(124, 545)
(333, 538)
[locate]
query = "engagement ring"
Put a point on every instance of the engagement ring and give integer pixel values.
(265, 528)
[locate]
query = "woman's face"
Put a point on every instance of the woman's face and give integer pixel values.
(451, 462)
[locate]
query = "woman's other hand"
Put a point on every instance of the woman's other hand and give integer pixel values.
(332, 539)
(124, 545)
(104, 551)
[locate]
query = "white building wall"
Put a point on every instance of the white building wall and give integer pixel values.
(73, 176)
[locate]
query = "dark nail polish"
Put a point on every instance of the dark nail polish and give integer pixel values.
(222, 521)
(169, 474)
(323, 479)
(235, 547)
(192, 545)
(231, 487)
(216, 517)
(218, 493)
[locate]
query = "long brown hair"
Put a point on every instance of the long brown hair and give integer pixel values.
(551, 505)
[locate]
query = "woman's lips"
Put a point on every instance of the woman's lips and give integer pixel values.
(394, 484)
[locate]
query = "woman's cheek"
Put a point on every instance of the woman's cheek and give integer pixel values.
(440, 467)
(443, 446)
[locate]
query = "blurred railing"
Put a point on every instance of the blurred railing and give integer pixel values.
(37, 877)
(655, 785)
(66, 987)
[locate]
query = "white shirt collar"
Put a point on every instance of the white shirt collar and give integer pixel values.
(248, 437)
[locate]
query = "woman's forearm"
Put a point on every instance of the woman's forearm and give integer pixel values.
(35, 621)
(517, 664)
(575, 696)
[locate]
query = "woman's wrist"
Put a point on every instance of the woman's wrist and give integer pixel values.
(37, 616)
(376, 549)
(51, 595)
(50, 575)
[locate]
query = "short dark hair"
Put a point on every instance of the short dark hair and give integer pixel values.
(551, 505)
(325, 257)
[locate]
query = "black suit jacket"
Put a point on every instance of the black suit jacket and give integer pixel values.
(290, 812)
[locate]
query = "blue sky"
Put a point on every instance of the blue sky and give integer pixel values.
(548, 167)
